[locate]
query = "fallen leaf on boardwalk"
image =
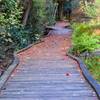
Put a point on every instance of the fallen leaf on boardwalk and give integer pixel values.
(68, 74)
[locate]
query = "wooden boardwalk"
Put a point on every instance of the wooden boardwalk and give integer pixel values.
(45, 73)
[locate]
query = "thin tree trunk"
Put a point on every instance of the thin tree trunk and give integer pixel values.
(27, 11)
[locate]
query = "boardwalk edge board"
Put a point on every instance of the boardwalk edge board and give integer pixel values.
(8, 72)
(87, 74)
(15, 62)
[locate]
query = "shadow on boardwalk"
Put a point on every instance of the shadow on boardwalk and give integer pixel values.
(46, 73)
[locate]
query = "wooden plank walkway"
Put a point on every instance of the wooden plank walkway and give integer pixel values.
(45, 73)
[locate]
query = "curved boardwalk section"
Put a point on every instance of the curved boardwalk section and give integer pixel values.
(45, 73)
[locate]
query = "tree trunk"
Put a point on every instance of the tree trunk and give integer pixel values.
(27, 6)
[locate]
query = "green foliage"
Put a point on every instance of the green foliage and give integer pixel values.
(5, 42)
(20, 36)
(5, 38)
(83, 40)
(10, 18)
(10, 12)
(10, 15)
(14, 34)
(93, 65)
(37, 17)
(42, 14)
(91, 9)
(51, 9)
(81, 28)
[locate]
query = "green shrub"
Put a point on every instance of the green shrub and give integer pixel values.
(51, 9)
(11, 15)
(10, 12)
(42, 14)
(91, 9)
(37, 17)
(93, 64)
(83, 40)
(10, 20)
(80, 28)
(6, 49)
(20, 36)
(5, 38)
